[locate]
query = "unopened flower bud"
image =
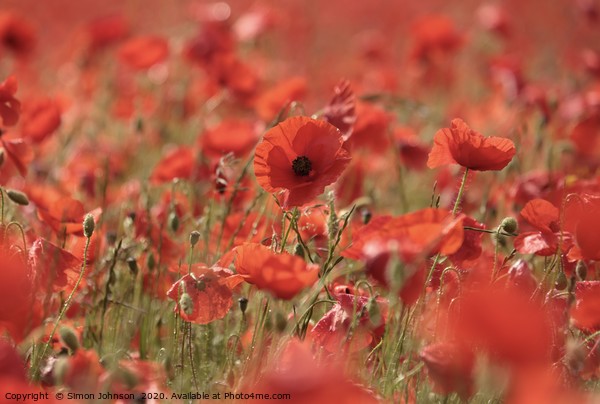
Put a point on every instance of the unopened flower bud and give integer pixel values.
(194, 237)
(150, 262)
(132, 264)
(366, 216)
(88, 225)
(509, 225)
(173, 221)
(299, 250)
(243, 302)
(581, 270)
(17, 197)
(68, 337)
(561, 281)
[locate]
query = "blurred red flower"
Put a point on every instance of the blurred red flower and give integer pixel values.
(143, 52)
(300, 156)
(284, 275)
(209, 294)
(10, 107)
(461, 145)
(450, 367)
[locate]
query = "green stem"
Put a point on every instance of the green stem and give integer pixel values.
(64, 309)
(461, 190)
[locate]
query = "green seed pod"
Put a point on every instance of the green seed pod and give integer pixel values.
(17, 197)
(88, 225)
(561, 281)
(194, 237)
(243, 302)
(581, 270)
(299, 250)
(150, 262)
(366, 216)
(173, 221)
(509, 225)
(132, 264)
(69, 338)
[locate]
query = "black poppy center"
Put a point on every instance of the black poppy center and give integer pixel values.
(301, 166)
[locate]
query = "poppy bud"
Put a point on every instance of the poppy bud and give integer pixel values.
(150, 262)
(194, 237)
(88, 225)
(186, 303)
(17, 197)
(132, 264)
(332, 223)
(299, 250)
(68, 337)
(561, 281)
(366, 216)
(581, 270)
(243, 302)
(374, 312)
(280, 322)
(509, 225)
(173, 221)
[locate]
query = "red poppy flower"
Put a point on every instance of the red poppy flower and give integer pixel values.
(341, 110)
(40, 118)
(585, 314)
(53, 267)
(426, 231)
(178, 163)
(284, 275)
(543, 217)
(209, 294)
(450, 367)
(434, 35)
(333, 331)
(232, 136)
(583, 217)
(105, 30)
(16, 33)
(18, 152)
(10, 107)
(299, 374)
(270, 103)
(300, 156)
(461, 145)
(143, 52)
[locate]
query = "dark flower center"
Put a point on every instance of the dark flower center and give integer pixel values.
(301, 166)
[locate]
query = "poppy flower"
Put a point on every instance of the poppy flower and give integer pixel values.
(334, 330)
(232, 136)
(300, 157)
(426, 231)
(585, 314)
(178, 163)
(53, 267)
(143, 52)
(296, 372)
(10, 107)
(18, 152)
(270, 103)
(543, 216)
(106, 30)
(450, 367)
(284, 275)
(16, 33)
(40, 118)
(209, 294)
(434, 35)
(341, 110)
(461, 145)
(370, 129)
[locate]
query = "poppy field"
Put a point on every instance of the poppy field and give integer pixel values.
(300, 201)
